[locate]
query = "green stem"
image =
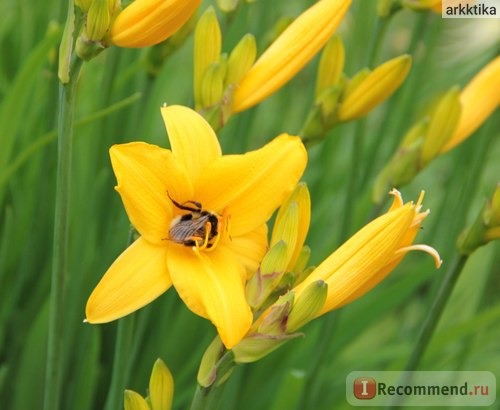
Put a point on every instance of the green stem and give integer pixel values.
(122, 357)
(60, 247)
(435, 312)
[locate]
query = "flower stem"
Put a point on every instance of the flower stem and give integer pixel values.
(443, 294)
(60, 248)
(122, 357)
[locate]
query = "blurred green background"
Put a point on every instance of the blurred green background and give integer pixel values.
(376, 332)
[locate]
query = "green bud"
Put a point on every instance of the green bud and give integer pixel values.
(331, 65)
(207, 372)
(241, 59)
(207, 49)
(271, 269)
(275, 318)
(83, 5)
(443, 123)
(307, 305)
(257, 346)
(302, 260)
(212, 86)
(98, 20)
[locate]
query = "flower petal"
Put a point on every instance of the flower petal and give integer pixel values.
(146, 175)
(193, 141)
(250, 248)
(251, 186)
(138, 276)
(212, 285)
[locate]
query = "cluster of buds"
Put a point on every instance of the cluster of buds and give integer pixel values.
(485, 228)
(285, 295)
(340, 99)
(454, 117)
(225, 85)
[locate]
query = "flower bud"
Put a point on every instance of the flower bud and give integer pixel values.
(361, 97)
(207, 49)
(134, 401)
(307, 305)
(443, 122)
(227, 6)
(212, 87)
(331, 65)
(161, 387)
(98, 20)
(241, 59)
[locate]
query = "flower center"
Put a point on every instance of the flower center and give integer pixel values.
(198, 227)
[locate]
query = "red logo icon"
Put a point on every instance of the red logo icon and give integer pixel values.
(365, 388)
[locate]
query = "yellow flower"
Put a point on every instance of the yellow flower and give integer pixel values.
(167, 194)
(478, 100)
(291, 51)
(370, 255)
(147, 22)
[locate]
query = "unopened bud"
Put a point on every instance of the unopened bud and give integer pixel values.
(227, 6)
(241, 59)
(212, 87)
(331, 65)
(275, 318)
(443, 123)
(307, 305)
(207, 49)
(161, 387)
(361, 97)
(98, 20)
(134, 401)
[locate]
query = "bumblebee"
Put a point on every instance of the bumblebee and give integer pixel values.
(197, 228)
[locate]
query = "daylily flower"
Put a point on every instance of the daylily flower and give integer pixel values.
(147, 22)
(370, 255)
(167, 193)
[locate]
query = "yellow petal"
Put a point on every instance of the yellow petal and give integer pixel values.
(161, 387)
(137, 277)
(211, 284)
(291, 51)
(146, 175)
(478, 100)
(147, 22)
(193, 141)
(251, 186)
(250, 248)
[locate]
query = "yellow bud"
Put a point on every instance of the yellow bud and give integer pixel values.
(134, 401)
(479, 99)
(147, 22)
(207, 49)
(212, 86)
(98, 20)
(161, 387)
(443, 122)
(241, 59)
(355, 82)
(331, 65)
(375, 88)
(307, 305)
